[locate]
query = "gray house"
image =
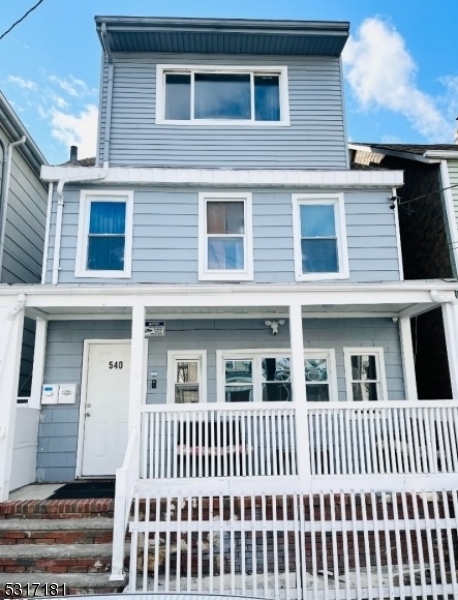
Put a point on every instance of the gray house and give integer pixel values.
(223, 309)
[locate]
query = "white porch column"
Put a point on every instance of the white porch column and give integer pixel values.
(11, 326)
(137, 366)
(298, 387)
(450, 316)
(408, 359)
(39, 357)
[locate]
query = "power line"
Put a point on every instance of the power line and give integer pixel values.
(21, 19)
(401, 203)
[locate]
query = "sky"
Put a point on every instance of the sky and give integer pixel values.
(400, 63)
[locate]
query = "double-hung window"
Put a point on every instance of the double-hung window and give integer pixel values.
(365, 374)
(187, 377)
(320, 376)
(225, 237)
(233, 95)
(104, 235)
(319, 237)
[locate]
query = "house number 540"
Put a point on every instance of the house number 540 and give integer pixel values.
(118, 364)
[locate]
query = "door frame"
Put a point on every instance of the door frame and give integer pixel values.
(83, 399)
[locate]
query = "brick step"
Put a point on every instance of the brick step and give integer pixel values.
(57, 558)
(57, 509)
(76, 584)
(56, 531)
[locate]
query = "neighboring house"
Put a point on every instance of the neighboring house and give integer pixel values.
(428, 213)
(224, 312)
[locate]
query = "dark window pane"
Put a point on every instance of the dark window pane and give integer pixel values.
(276, 392)
(108, 218)
(238, 371)
(364, 391)
(106, 253)
(317, 220)
(239, 394)
(178, 97)
(226, 217)
(363, 367)
(226, 254)
(276, 369)
(316, 369)
(222, 96)
(317, 393)
(319, 256)
(267, 98)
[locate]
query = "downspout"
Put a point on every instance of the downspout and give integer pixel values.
(47, 228)
(91, 178)
(6, 172)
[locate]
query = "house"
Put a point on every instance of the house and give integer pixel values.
(224, 325)
(429, 240)
(23, 201)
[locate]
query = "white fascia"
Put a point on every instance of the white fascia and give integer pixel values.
(230, 177)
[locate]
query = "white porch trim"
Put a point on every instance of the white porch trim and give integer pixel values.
(450, 316)
(408, 358)
(39, 357)
(137, 386)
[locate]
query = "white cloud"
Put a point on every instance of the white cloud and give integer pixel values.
(72, 86)
(25, 84)
(79, 130)
(381, 73)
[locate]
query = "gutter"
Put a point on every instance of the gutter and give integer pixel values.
(6, 172)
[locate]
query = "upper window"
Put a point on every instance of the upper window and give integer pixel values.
(365, 374)
(105, 235)
(225, 240)
(235, 95)
(319, 237)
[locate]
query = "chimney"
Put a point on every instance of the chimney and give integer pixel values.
(73, 154)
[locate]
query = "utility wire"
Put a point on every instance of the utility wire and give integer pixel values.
(401, 203)
(21, 19)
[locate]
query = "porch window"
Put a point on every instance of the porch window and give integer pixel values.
(105, 235)
(225, 237)
(317, 379)
(319, 237)
(276, 379)
(187, 377)
(238, 380)
(365, 373)
(232, 95)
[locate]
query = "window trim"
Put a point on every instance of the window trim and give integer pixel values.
(175, 355)
(380, 365)
(341, 232)
(86, 197)
(281, 71)
(259, 353)
(206, 274)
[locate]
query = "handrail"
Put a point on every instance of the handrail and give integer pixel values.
(124, 492)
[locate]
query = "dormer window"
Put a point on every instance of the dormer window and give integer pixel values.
(231, 95)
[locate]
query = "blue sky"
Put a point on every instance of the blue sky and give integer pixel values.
(400, 65)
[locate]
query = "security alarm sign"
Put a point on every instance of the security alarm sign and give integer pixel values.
(154, 328)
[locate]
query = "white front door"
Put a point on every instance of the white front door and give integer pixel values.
(106, 408)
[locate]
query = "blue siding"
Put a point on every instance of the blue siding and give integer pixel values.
(58, 430)
(165, 237)
(315, 139)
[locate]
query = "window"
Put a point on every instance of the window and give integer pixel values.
(365, 374)
(232, 95)
(187, 377)
(104, 235)
(225, 240)
(265, 376)
(319, 237)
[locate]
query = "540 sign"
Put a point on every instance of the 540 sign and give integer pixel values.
(117, 364)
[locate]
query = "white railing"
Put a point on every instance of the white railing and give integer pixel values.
(389, 438)
(297, 546)
(126, 479)
(218, 441)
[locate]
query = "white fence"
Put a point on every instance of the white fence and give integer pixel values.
(342, 546)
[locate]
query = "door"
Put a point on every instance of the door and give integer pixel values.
(106, 408)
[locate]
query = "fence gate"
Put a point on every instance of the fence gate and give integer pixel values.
(337, 545)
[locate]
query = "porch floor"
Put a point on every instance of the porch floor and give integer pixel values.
(35, 491)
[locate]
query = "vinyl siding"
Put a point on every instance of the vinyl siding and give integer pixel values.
(315, 138)
(453, 174)
(165, 237)
(58, 429)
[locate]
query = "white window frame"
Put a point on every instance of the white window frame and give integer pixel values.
(380, 366)
(282, 72)
(174, 356)
(206, 274)
(86, 197)
(338, 201)
(257, 355)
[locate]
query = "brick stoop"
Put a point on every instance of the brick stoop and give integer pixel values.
(58, 541)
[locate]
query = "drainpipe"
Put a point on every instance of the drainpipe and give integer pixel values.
(6, 172)
(47, 228)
